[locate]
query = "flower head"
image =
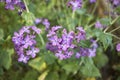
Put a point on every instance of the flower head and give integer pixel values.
(118, 47)
(24, 42)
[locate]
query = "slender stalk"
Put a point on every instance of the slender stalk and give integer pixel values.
(112, 23)
(42, 40)
(113, 36)
(114, 29)
(27, 9)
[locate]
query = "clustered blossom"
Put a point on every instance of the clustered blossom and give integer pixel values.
(76, 4)
(10, 4)
(90, 52)
(25, 43)
(118, 47)
(63, 46)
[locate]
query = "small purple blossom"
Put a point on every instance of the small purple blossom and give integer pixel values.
(38, 20)
(92, 1)
(46, 23)
(98, 25)
(81, 34)
(118, 47)
(24, 42)
(76, 4)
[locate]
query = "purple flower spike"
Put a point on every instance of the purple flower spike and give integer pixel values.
(24, 42)
(118, 47)
(38, 20)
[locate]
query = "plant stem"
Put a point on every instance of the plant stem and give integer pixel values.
(113, 36)
(42, 40)
(114, 29)
(27, 9)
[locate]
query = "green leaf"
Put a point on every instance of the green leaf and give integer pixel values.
(1, 34)
(85, 43)
(52, 75)
(89, 69)
(31, 75)
(106, 40)
(5, 58)
(29, 18)
(100, 59)
(38, 64)
(105, 21)
(81, 11)
(70, 67)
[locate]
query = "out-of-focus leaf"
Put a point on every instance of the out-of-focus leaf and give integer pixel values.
(89, 69)
(81, 11)
(31, 75)
(1, 71)
(105, 21)
(5, 58)
(43, 75)
(106, 40)
(29, 18)
(52, 75)
(85, 43)
(71, 67)
(1, 34)
(38, 64)
(100, 59)
(90, 78)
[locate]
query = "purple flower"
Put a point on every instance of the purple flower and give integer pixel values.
(98, 25)
(92, 1)
(116, 2)
(76, 4)
(118, 47)
(38, 20)
(61, 46)
(46, 23)
(11, 4)
(77, 55)
(24, 42)
(53, 30)
(81, 34)
(37, 30)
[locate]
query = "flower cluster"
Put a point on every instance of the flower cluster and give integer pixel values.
(63, 46)
(76, 4)
(24, 42)
(90, 52)
(10, 4)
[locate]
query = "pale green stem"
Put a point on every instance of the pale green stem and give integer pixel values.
(42, 40)
(113, 36)
(27, 9)
(112, 23)
(114, 29)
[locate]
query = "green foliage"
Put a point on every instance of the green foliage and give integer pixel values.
(89, 69)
